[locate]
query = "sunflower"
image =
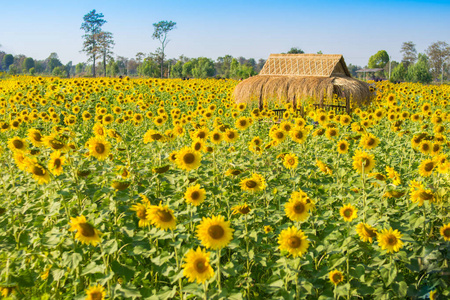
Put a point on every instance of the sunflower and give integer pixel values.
(426, 167)
(268, 229)
(152, 135)
(445, 231)
(253, 184)
(290, 161)
(56, 163)
(195, 195)
(369, 141)
(421, 194)
(188, 159)
(390, 240)
(297, 209)
(161, 216)
(392, 174)
(336, 277)
(141, 213)
(242, 123)
(214, 233)
(8, 290)
(294, 241)
(342, 147)
(99, 147)
(425, 147)
(96, 293)
(242, 209)
(331, 133)
(366, 232)
(325, 168)
(55, 142)
(348, 212)
(99, 129)
(201, 134)
(233, 172)
(17, 144)
(39, 173)
(85, 232)
(197, 266)
(216, 136)
(363, 162)
(35, 137)
(298, 135)
(231, 135)
(278, 135)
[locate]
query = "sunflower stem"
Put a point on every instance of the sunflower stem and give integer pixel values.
(180, 283)
(218, 271)
(205, 289)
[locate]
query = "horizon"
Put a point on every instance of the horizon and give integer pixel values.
(353, 29)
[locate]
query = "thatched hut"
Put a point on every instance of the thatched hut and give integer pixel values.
(297, 77)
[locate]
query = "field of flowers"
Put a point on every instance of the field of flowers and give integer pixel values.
(166, 189)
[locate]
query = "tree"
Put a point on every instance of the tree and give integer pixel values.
(148, 68)
(398, 73)
(8, 60)
(378, 60)
(28, 63)
(420, 71)
(79, 68)
(295, 50)
(438, 53)
(92, 25)
(161, 30)
(53, 62)
(203, 68)
(409, 53)
(177, 70)
(106, 43)
(352, 69)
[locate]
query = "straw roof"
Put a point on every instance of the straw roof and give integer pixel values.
(293, 77)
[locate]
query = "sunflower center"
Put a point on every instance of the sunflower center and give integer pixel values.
(142, 214)
(86, 229)
(348, 213)
(429, 166)
(369, 232)
(342, 147)
(100, 148)
(425, 147)
(243, 123)
(294, 242)
(392, 240)
(18, 144)
(299, 135)
(216, 232)
(201, 135)
(426, 196)
(55, 144)
(164, 216)
(231, 135)
(37, 136)
(251, 184)
(371, 142)
(189, 158)
(279, 135)
(38, 171)
(336, 277)
(195, 195)
(200, 265)
(447, 232)
(197, 146)
(96, 295)
(299, 207)
(216, 136)
(365, 161)
(291, 161)
(57, 163)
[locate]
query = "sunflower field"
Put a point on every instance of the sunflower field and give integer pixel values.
(167, 189)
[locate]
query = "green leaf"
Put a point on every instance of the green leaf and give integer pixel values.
(110, 247)
(402, 288)
(93, 268)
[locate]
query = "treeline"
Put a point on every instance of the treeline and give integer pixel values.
(142, 65)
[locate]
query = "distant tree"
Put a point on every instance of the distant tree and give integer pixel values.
(295, 50)
(177, 70)
(398, 73)
(420, 71)
(438, 53)
(409, 53)
(18, 62)
(69, 68)
(139, 57)
(378, 60)
(352, 69)
(187, 69)
(8, 60)
(260, 65)
(132, 66)
(234, 69)
(79, 68)
(13, 70)
(59, 72)
(162, 28)
(105, 43)
(148, 68)
(92, 25)
(122, 63)
(53, 62)
(203, 68)
(319, 52)
(112, 68)
(32, 71)
(28, 63)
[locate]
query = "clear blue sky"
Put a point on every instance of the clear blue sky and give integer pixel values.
(356, 29)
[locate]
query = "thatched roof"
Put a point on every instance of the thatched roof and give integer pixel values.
(293, 77)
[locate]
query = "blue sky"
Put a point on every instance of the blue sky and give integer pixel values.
(356, 29)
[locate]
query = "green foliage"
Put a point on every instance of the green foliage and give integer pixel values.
(295, 50)
(28, 63)
(59, 72)
(161, 29)
(148, 68)
(8, 60)
(203, 67)
(32, 71)
(378, 60)
(420, 71)
(398, 73)
(176, 71)
(92, 25)
(53, 62)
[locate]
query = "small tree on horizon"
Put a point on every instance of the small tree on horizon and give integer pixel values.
(162, 28)
(92, 25)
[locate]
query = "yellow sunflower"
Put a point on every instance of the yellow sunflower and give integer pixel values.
(363, 162)
(445, 231)
(278, 135)
(390, 240)
(426, 167)
(242, 123)
(325, 168)
(233, 172)
(231, 135)
(294, 241)
(85, 232)
(366, 232)
(298, 134)
(242, 209)
(17, 144)
(197, 266)
(342, 147)
(96, 293)
(268, 229)
(39, 173)
(255, 183)
(369, 141)
(336, 277)
(188, 159)
(162, 217)
(99, 147)
(290, 161)
(195, 195)
(56, 163)
(216, 136)
(392, 174)
(214, 233)
(348, 212)
(35, 137)
(297, 209)
(141, 213)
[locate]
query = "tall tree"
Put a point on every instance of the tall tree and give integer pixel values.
(92, 27)
(53, 62)
(409, 53)
(28, 63)
(161, 30)
(379, 60)
(295, 50)
(106, 43)
(420, 71)
(438, 53)
(8, 60)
